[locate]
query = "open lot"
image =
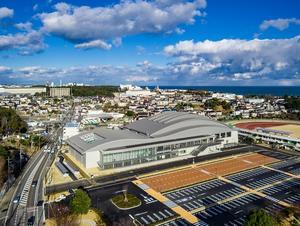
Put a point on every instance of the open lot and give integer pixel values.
(198, 173)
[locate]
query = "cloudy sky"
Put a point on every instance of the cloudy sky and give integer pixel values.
(150, 42)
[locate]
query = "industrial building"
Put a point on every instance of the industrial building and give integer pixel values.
(21, 90)
(60, 91)
(168, 135)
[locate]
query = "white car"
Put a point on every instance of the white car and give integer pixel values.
(61, 197)
(17, 199)
(46, 150)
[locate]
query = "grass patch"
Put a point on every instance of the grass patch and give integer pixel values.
(132, 201)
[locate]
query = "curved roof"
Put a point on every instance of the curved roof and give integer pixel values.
(169, 122)
(158, 128)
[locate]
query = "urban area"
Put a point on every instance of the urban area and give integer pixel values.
(75, 154)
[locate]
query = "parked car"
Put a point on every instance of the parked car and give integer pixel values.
(61, 197)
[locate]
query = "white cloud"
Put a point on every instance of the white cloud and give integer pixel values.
(24, 26)
(141, 79)
(26, 43)
(237, 59)
(129, 17)
(93, 74)
(280, 24)
(94, 44)
(140, 49)
(117, 42)
(6, 12)
(4, 70)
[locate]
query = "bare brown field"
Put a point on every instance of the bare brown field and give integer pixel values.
(184, 177)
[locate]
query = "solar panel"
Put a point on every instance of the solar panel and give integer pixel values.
(90, 137)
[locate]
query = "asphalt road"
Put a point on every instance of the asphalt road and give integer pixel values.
(15, 211)
(36, 169)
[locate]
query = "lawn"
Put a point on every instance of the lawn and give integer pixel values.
(132, 201)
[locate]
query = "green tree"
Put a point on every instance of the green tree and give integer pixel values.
(11, 121)
(130, 113)
(80, 203)
(259, 218)
(106, 91)
(3, 151)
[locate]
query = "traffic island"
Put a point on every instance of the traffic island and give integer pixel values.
(126, 201)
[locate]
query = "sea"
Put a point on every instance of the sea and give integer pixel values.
(243, 90)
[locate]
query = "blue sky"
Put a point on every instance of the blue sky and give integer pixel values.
(158, 42)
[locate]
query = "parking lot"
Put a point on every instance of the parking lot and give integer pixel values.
(287, 191)
(194, 174)
(221, 203)
(203, 194)
(235, 212)
(290, 166)
(275, 154)
(146, 218)
(258, 177)
(213, 199)
(150, 212)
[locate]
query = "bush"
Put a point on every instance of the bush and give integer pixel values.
(132, 201)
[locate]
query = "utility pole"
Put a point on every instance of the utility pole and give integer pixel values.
(8, 161)
(20, 157)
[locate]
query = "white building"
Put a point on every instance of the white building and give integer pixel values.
(164, 136)
(70, 130)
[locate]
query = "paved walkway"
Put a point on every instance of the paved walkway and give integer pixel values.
(280, 171)
(189, 217)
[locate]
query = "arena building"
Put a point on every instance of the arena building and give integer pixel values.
(167, 135)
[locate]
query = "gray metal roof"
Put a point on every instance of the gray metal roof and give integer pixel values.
(158, 128)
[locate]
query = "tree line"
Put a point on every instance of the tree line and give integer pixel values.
(11, 122)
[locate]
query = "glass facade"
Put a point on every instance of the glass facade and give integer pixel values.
(147, 154)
